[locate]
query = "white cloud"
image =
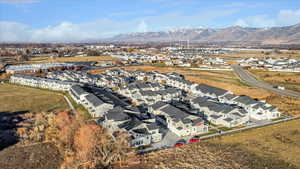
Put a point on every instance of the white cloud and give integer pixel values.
(288, 17)
(142, 27)
(283, 18)
(66, 31)
(256, 21)
(18, 1)
(103, 28)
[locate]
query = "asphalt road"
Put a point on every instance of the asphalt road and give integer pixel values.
(252, 81)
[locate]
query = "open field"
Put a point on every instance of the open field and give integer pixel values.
(272, 147)
(258, 54)
(72, 59)
(226, 80)
(14, 98)
(279, 141)
(289, 80)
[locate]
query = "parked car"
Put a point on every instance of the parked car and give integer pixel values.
(194, 140)
(180, 143)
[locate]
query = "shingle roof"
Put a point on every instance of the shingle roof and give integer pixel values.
(210, 89)
(95, 101)
(158, 105)
(78, 90)
(245, 100)
(117, 114)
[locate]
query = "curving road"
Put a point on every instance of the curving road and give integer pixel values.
(252, 81)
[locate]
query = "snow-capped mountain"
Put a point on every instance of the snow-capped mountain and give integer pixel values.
(271, 35)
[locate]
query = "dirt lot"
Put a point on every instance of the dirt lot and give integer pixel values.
(16, 98)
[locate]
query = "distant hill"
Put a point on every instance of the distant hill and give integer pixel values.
(234, 34)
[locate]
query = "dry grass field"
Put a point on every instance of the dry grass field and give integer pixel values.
(289, 80)
(72, 59)
(259, 54)
(226, 80)
(272, 147)
(279, 141)
(14, 98)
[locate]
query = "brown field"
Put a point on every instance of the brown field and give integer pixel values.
(258, 54)
(14, 98)
(226, 80)
(280, 141)
(272, 147)
(289, 80)
(72, 59)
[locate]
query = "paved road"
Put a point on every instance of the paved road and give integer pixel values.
(251, 80)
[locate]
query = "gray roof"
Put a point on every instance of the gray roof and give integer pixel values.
(245, 100)
(174, 112)
(158, 105)
(215, 116)
(153, 126)
(117, 114)
(230, 96)
(210, 89)
(94, 100)
(199, 100)
(78, 90)
(228, 119)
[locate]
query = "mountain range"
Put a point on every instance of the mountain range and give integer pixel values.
(234, 34)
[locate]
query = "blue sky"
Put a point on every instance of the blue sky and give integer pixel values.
(80, 20)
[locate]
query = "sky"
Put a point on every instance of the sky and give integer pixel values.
(84, 20)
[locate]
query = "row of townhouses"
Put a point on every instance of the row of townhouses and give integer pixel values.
(143, 128)
(38, 67)
(160, 96)
(149, 93)
(277, 64)
(168, 87)
(117, 118)
(178, 121)
(105, 79)
(45, 83)
(95, 106)
(257, 110)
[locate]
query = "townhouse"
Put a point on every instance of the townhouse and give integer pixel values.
(220, 114)
(178, 121)
(258, 110)
(39, 82)
(209, 91)
(96, 106)
(32, 68)
(149, 93)
(143, 132)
